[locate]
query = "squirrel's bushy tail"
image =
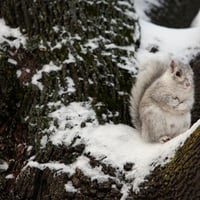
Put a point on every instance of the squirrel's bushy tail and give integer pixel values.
(148, 73)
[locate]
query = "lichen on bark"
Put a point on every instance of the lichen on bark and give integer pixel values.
(85, 41)
(90, 32)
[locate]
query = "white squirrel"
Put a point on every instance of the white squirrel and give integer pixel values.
(162, 99)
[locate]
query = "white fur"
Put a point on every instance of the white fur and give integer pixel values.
(160, 104)
(145, 78)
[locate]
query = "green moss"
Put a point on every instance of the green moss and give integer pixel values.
(175, 167)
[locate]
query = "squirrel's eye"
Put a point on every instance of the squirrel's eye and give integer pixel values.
(178, 73)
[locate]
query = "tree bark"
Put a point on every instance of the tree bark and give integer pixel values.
(96, 75)
(173, 13)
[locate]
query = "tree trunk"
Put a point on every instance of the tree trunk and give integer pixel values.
(94, 71)
(173, 13)
(91, 35)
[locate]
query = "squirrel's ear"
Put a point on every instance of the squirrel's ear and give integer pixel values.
(172, 66)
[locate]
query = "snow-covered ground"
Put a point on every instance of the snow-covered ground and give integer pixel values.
(179, 43)
(114, 144)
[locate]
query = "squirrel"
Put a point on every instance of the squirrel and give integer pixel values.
(162, 99)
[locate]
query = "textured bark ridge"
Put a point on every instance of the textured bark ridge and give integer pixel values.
(174, 14)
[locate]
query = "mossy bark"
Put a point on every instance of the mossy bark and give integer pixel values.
(173, 13)
(195, 63)
(97, 72)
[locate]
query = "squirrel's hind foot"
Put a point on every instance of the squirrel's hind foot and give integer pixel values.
(164, 139)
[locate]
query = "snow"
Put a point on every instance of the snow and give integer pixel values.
(196, 20)
(70, 59)
(179, 43)
(43, 141)
(71, 85)
(10, 176)
(3, 165)
(51, 165)
(93, 43)
(46, 68)
(141, 6)
(70, 188)
(70, 120)
(6, 32)
(112, 144)
(12, 61)
(18, 73)
(104, 142)
(82, 163)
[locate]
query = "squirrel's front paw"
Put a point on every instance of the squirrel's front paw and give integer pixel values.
(164, 139)
(174, 101)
